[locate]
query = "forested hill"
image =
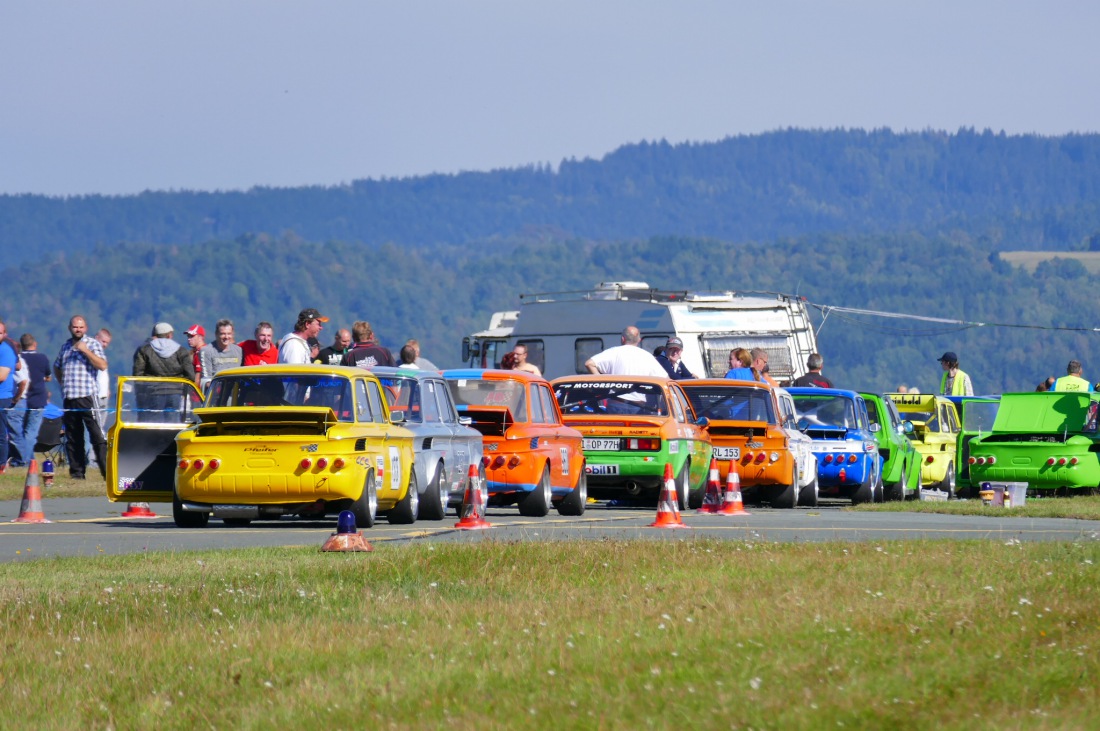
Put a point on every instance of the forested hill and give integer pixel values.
(441, 294)
(1015, 191)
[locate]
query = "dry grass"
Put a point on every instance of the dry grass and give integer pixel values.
(1029, 260)
(616, 634)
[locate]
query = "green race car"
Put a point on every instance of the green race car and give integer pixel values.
(1047, 439)
(900, 460)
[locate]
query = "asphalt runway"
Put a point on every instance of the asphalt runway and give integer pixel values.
(92, 526)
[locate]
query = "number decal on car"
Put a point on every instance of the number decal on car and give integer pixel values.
(564, 460)
(395, 469)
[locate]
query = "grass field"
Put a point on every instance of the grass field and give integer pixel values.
(610, 635)
(1031, 259)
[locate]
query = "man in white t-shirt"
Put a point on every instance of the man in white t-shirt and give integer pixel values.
(628, 359)
(294, 347)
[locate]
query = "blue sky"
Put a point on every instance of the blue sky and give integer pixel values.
(120, 96)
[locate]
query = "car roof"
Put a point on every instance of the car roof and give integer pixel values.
(719, 382)
(593, 378)
(286, 369)
(398, 372)
(491, 374)
(814, 390)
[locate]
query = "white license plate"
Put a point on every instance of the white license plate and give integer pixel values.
(602, 469)
(601, 445)
(725, 453)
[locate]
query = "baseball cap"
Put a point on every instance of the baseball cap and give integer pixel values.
(675, 343)
(949, 357)
(311, 314)
(163, 328)
(195, 330)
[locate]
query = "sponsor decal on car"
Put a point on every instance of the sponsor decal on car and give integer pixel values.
(673, 447)
(602, 469)
(564, 460)
(395, 468)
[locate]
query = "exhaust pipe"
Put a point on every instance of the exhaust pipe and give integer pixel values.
(633, 488)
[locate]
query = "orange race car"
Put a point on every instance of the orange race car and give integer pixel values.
(746, 432)
(531, 458)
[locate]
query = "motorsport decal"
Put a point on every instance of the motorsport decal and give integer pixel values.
(380, 469)
(564, 460)
(129, 483)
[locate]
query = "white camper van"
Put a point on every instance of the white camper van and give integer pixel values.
(564, 329)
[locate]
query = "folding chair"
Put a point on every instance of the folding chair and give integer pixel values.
(51, 440)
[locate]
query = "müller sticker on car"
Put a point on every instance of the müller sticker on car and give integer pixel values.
(395, 468)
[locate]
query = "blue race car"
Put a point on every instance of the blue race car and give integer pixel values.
(848, 461)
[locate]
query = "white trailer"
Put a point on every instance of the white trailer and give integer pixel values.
(564, 329)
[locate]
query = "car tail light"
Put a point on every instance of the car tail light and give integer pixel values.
(647, 445)
(306, 463)
(843, 475)
(1073, 461)
(498, 462)
(990, 460)
(197, 465)
(1050, 462)
(746, 458)
(513, 461)
(184, 464)
(322, 462)
(928, 459)
(774, 456)
(485, 460)
(828, 459)
(215, 464)
(1062, 461)
(759, 458)
(338, 463)
(851, 459)
(973, 460)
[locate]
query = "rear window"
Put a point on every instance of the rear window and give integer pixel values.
(827, 410)
(620, 397)
(479, 392)
(732, 404)
(250, 391)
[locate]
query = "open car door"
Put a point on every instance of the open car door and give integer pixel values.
(141, 444)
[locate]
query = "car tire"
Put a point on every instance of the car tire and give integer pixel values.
(948, 482)
(536, 504)
(865, 493)
(896, 490)
(575, 502)
(237, 522)
(407, 509)
(365, 508)
(807, 496)
(434, 504)
(786, 496)
(187, 518)
(683, 486)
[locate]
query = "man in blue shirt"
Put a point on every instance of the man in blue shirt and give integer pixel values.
(8, 360)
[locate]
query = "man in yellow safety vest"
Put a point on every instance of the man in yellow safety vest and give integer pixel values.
(1072, 381)
(954, 381)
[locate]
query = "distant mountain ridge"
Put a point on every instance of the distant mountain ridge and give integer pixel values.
(1021, 191)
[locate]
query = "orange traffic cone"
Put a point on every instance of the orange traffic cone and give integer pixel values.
(668, 509)
(712, 500)
(346, 538)
(473, 506)
(139, 510)
(732, 504)
(31, 509)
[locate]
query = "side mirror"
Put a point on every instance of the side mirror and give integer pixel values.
(467, 350)
(702, 422)
(907, 427)
(466, 420)
(397, 417)
(875, 428)
(803, 424)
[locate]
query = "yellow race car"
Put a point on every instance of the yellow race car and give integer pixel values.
(935, 435)
(269, 441)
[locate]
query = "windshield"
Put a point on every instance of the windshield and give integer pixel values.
(403, 394)
(625, 397)
(720, 403)
(479, 392)
(827, 410)
(284, 390)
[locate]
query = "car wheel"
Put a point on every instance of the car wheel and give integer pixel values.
(536, 503)
(865, 493)
(575, 502)
(436, 496)
(407, 509)
(237, 522)
(897, 490)
(786, 496)
(365, 508)
(187, 518)
(948, 483)
(879, 495)
(807, 496)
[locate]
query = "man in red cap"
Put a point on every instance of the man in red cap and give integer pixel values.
(196, 339)
(294, 347)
